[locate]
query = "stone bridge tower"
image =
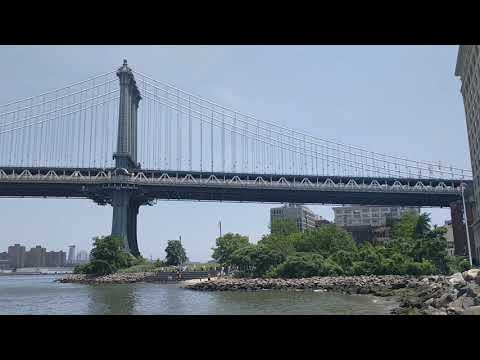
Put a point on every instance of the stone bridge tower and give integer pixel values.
(124, 201)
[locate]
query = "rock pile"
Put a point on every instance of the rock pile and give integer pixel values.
(117, 278)
(429, 295)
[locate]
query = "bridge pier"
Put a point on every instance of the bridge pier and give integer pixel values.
(124, 222)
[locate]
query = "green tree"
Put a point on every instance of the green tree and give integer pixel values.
(226, 245)
(299, 265)
(282, 243)
(107, 256)
(283, 227)
(244, 258)
(405, 228)
(266, 258)
(176, 254)
(422, 226)
(111, 250)
(326, 240)
(159, 263)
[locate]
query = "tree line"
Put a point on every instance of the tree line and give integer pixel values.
(415, 248)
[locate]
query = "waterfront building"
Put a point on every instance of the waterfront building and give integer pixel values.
(56, 258)
(36, 257)
(4, 255)
(82, 257)
(360, 215)
(16, 256)
(71, 254)
(4, 264)
(303, 217)
(370, 223)
(468, 69)
(450, 238)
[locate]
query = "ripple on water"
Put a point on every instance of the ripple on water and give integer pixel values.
(41, 295)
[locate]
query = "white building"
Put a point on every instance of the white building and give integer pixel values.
(301, 215)
(370, 215)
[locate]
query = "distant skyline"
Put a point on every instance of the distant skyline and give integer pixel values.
(5, 247)
(400, 100)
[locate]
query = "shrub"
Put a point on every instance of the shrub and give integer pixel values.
(138, 268)
(299, 265)
(457, 264)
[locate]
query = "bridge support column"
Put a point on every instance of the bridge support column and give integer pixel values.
(124, 222)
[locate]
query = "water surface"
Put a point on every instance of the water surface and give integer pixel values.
(38, 294)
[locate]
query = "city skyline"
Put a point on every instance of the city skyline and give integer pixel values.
(153, 233)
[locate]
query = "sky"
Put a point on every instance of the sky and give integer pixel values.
(399, 100)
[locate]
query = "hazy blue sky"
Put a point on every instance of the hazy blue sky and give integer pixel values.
(402, 100)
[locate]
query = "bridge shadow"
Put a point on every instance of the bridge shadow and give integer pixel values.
(115, 299)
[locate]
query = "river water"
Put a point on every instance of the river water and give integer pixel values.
(39, 294)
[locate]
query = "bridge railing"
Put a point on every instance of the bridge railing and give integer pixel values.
(105, 177)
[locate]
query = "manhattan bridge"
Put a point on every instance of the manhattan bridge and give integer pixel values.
(127, 140)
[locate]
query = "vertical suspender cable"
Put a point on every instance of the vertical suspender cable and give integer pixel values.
(211, 142)
(201, 140)
(223, 141)
(189, 133)
(179, 132)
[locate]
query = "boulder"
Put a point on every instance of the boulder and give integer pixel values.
(454, 311)
(456, 280)
(472, 310)
(462, 302)
(471, 274)
(473, 290)
(432, 311)
(443, 300)
(429, 302)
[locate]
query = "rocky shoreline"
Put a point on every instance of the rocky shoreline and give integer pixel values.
(117, 278)
(427, 295)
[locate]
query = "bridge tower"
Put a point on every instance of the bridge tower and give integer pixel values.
(125, 205)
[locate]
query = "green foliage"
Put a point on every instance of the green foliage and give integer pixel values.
(110, 249)
(160, 263)
(226, 246)
(107, 256)
(325, 240)
(283, 227)
(457, 264)
(176, 254)
(244, 257)
(80, 269)
(299, 265)
(415, 249)
(138, 268)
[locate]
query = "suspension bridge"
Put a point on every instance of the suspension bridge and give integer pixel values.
(124, 139)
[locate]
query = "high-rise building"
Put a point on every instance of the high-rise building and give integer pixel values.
(56, 258)
(71, 254)
(303, 217)
(468, 69)
(370, 223)
(82, 257)
(16, 256)
(36, 257)
(370, 215)
(449, 237)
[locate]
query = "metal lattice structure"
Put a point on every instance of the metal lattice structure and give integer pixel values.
(125, 139)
